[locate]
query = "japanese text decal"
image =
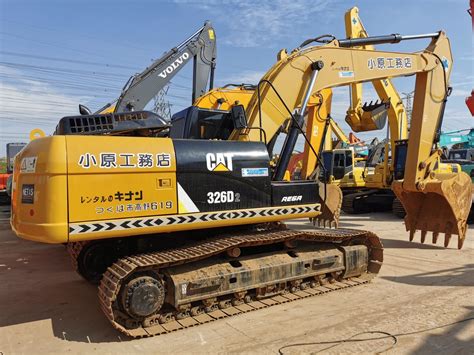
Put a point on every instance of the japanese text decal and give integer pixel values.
(108, 160)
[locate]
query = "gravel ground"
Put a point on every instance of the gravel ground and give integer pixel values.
(422, 289)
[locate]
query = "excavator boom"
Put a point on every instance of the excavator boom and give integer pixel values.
(287, 85)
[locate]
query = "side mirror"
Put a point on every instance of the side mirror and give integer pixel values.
(84, 110)
(239, 118)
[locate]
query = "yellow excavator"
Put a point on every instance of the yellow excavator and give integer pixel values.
(336, 143)
(367, 187)
(185, 229)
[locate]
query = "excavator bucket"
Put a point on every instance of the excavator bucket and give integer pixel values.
(376, 112)
(442, 207)
(331, 201)
(369, 117)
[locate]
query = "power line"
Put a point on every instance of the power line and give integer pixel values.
(52, 44)
(120, 44)
(75, 61)
(62, 70)
(65, 60)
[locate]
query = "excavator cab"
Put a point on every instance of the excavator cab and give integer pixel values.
(201, 123)
(198, 123)
(342, 163)
(343, 167)
(338, 163)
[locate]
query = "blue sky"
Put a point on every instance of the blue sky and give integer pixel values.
(57, 54)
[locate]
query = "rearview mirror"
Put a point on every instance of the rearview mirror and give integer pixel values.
(239, 118)
(84, 110)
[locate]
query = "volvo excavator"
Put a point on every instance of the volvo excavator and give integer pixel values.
(186, 227)
(138, 91)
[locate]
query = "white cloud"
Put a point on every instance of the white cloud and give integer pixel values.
(469, 83)
(460, 92)
(27, 104)
(253, 23)
(26, 99)
(245, 77)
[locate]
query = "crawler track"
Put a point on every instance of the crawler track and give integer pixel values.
(353, 203)
(398, 209)
(168, 320)
(74, 249)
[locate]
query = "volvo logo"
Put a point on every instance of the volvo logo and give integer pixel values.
(174, 65)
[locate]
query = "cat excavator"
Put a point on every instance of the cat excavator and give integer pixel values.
(188, 228)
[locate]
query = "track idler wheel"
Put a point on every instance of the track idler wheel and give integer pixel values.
(94, 259)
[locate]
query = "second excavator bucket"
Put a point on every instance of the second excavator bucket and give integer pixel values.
(331, 201)
(369, 117)
(442, 207)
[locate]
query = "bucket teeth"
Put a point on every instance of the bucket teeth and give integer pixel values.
(376, 107)
(423, 236)
(324, 223)
(447, 239)
(442, 206)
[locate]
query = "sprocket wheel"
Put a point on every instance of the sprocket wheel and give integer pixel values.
(143, 296)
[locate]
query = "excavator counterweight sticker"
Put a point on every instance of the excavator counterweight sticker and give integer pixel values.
(28, 165)
(163, 221)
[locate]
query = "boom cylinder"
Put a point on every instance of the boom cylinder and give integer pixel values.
(298, 121)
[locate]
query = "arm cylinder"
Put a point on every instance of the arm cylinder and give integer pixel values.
(393, 38)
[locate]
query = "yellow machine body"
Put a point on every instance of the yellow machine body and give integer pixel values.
(64, 190)
(292, 79)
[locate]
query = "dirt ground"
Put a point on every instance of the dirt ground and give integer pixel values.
(422, 289)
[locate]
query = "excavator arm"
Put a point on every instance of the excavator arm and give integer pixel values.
(284, 92)
(365, 117)
(455, 137)
(142, 87)
(283, 88)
